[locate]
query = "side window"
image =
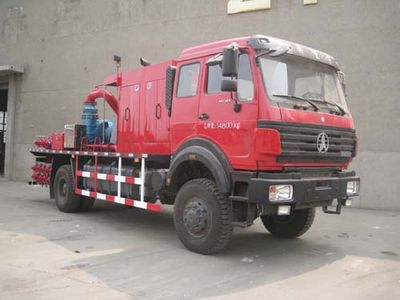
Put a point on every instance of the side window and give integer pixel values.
(188, 80)
(214, 79)
(245, 79)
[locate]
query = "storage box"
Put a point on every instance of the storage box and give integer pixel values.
(57, 141)
(72, 135)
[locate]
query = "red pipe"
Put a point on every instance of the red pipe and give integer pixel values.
(102, 93)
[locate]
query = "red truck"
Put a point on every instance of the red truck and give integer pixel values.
(230, 131)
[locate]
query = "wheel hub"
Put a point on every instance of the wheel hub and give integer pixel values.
(64, 189)
(195, 217)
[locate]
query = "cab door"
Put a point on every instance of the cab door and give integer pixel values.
(231, 131)
(184, 112)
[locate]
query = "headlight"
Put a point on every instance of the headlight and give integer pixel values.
(283, 192)
(353, 188)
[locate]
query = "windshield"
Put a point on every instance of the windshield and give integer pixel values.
(289, 75)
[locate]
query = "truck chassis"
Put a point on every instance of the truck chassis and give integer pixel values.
(75, 156)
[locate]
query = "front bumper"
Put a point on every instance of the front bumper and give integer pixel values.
(308, 191)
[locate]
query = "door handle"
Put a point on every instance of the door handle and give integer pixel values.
(158, 111)
(204, 116)
(127, 113)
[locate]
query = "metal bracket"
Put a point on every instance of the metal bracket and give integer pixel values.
(334, 212)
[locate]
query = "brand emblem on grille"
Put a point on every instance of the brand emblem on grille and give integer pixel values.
(322, 142)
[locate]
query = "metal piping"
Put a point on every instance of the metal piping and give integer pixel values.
(106, 95)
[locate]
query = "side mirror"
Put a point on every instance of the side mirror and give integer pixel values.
(229, 85)
(169, 88)
(230, 61)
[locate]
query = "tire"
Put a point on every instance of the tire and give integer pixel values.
(202, 217)
(292, 226)
(66, 200)
(86, 203)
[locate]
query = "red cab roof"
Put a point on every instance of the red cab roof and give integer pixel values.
(210, 48)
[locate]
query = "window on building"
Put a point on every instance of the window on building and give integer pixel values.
(238, 6)
(3, 127)
(245, 80)
(188, 80)
(308, 2)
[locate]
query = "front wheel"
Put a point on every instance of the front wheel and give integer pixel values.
(291, 226)
(202, 217)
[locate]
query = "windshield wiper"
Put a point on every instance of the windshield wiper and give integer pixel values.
(341, 109)
(316, 108)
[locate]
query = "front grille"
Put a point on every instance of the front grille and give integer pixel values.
(299, 142)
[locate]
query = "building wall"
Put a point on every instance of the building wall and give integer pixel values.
(66, 47)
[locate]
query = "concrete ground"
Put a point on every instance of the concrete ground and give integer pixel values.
(116, 252)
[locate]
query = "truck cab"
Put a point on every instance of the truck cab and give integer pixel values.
(273, 91)
(273, 114)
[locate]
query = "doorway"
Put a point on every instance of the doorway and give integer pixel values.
(3, 127)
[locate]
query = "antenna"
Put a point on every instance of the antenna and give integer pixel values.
(117, 60)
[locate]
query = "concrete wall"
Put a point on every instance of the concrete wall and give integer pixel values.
(66, 47)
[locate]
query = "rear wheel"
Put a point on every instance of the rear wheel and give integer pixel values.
(66, 200)
(202, 217)
(292, 226)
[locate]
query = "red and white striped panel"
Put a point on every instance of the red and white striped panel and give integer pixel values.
(89, 153)
(120, 200)
(109, 177)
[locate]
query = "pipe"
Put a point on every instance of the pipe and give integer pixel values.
(102, 93)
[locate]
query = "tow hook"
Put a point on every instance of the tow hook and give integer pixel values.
(335, 210)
